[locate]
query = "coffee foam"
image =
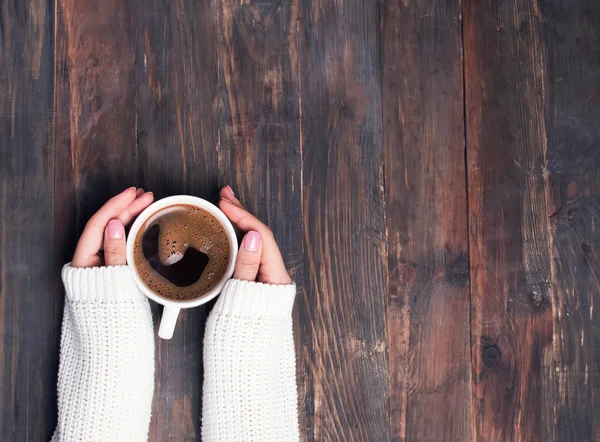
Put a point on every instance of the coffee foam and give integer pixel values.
(183, 226)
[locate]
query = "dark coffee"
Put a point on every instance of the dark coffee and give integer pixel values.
(181, 252)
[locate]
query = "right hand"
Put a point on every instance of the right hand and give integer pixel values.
(259, 258)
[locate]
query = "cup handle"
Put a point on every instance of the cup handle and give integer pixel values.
(168, 322)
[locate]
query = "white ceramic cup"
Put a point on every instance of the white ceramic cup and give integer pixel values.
(172, 307)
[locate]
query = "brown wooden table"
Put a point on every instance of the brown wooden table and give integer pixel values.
(431, 170)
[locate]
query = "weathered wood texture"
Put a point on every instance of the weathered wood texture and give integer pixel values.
(344, 227)
(96, 154)
(511, 314)
(532, 108)
(428, 282)
(444, 295)
(94, 117)
(27, 357)
(571, 33)
(259, 119)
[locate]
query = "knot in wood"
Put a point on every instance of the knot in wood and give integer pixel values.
(491, 356)
(408, 274)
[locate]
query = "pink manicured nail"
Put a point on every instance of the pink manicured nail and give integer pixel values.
(115, 229)
(252, 241)
(230, 189)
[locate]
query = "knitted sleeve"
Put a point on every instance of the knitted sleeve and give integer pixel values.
(250, 366)
(106, 374)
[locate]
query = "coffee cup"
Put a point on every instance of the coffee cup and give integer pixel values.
(172, 307)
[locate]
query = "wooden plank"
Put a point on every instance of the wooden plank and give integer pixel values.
(259, 124)
(428, 284)
(95, 142)
(259, 132)
(217, 105)
(177, 130)
(572, 34)
(27, 357)
(96, 154)
(344, 227)
(511, 314)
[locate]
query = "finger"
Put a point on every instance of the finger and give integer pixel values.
(272, 268)
(91, 238)
(139, 192)
(114, 244)
(227, 194)
(248, 258)
(244, 219)
(136, 207)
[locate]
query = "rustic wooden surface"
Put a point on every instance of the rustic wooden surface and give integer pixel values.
(431, 170)
(571, 35)
(28, 355)
(428, 282)
(509, 238)
(343, 215)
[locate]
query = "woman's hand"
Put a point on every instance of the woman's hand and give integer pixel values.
(259, 258)
(106, 230)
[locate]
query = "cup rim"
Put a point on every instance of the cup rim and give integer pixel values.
(193, 201)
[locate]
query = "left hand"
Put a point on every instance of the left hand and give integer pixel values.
(106, 230)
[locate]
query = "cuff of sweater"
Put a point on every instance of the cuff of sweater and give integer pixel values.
(256, 300)
(100, 284)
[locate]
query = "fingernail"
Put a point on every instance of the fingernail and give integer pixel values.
(230, 189)
(115, 229)
(252, 241)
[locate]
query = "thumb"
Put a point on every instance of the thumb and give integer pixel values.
(114, 244)
(248, 258)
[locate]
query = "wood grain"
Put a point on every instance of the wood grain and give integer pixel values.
(428, 284)
(342, 125)
(511, 314)
(571, 34)
(96, 152)
(27, 356)
(95, 143)
(259, 124)
(259, 130)
(344, 227)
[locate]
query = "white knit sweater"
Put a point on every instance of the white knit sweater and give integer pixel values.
(106, 375)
